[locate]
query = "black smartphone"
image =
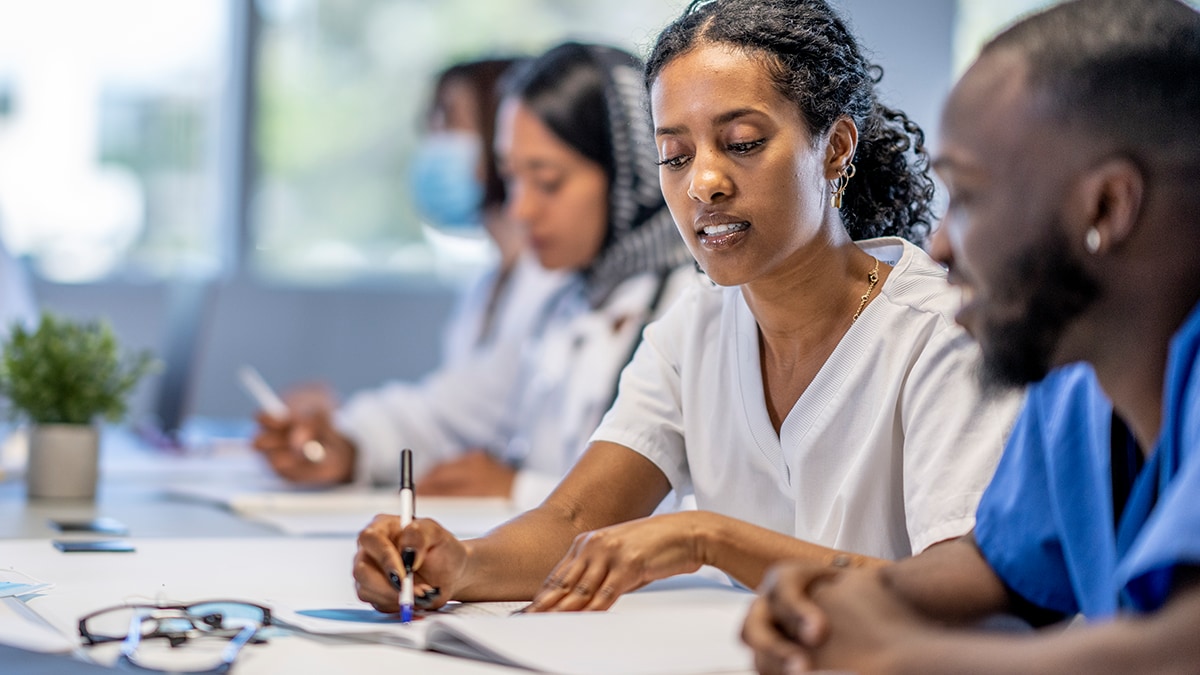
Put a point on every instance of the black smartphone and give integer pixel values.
(103, 525)
(94, 546)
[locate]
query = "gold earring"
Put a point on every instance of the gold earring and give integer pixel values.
(839, 186)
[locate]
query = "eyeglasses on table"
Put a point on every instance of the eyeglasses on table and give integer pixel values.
(151, 634)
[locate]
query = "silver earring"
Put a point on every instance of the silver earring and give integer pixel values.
(1091, 241)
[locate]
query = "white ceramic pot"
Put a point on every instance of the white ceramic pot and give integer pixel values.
(63, 461)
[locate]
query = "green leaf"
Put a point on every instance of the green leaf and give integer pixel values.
(69, 372)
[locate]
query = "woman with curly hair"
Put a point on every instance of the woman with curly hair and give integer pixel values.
(819, 403)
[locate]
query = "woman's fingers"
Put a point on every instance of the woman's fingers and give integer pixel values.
(378, 543)
(379, 568)
(373, 585)
(305, 448)
(561, 580)
(590, 577)
(578, 594)
(614, 584)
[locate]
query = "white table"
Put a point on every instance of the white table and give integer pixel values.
(190, 550)
(132, 478)
(300, 573)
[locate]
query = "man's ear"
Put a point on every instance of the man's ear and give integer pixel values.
(1108, 199)
(840, 144)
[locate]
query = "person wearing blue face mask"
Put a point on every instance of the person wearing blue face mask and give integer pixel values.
(445, 182)
(455, 187)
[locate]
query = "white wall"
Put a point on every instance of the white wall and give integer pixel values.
(913, 41)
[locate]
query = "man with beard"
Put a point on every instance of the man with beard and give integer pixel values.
(1071, 152)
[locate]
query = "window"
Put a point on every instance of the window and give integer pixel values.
(121, 129)
(108, 135)
(341, 91)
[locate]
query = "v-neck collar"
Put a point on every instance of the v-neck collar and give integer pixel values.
(816, 397)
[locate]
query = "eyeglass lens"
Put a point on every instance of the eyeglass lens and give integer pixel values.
(114, 623)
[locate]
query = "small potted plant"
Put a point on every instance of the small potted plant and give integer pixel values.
(63, 378)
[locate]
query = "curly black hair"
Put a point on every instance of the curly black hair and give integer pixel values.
(816, 62)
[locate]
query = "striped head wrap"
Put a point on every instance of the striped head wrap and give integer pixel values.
(641, 235)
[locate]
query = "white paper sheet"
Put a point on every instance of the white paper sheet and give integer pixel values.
(341, 511)
(20, 627)
(641, 642)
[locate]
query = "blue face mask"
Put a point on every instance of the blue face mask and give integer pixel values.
(444, 182)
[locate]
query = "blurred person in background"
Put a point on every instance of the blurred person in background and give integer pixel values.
(575, 147)
(457, 189)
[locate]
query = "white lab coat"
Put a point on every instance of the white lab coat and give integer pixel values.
(533, 403)
(518, 307)
(456, 405)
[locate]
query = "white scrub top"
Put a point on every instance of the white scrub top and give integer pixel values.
(886, 452)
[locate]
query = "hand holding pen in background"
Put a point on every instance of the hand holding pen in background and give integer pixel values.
(297, 437)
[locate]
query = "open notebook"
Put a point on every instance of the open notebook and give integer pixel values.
(638, 640)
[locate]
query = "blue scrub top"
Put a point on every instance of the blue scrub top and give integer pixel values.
(1045, 524)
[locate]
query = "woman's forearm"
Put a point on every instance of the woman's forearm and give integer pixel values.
(512, 561)
(610, 484)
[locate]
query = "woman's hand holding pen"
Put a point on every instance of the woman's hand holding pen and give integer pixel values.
(282, 442)
(603, 564)
(441, 562)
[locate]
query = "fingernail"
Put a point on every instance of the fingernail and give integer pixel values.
(795, 666)
(426, 597)
(395, 580)
(408, 556)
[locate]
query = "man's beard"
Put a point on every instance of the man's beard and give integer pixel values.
(1056, 289)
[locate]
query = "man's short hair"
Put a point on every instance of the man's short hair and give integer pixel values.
(1127, 71)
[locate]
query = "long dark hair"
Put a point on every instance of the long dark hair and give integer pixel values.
(816, 62)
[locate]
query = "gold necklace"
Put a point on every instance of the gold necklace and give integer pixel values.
(873, 278)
